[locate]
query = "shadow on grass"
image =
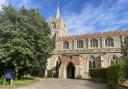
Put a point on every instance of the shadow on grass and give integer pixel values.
(22, 82)
(28, 78)
(1, 81)
(25, 81)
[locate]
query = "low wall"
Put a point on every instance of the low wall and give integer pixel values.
(123, 87)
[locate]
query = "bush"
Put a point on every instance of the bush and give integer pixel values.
(98, 73)
(113, 74)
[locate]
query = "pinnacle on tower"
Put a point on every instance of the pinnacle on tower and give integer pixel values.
(58, 16)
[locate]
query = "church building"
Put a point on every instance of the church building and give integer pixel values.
(73, 56)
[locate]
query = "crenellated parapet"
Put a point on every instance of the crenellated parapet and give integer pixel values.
(96, 35)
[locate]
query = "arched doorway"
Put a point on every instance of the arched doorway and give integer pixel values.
(71, 71)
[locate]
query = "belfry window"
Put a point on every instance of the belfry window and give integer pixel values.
(94, 43)
(66, 45)
(53, 26)
(80, 44)
(109, 42)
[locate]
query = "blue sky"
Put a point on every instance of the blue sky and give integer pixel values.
(82, 16)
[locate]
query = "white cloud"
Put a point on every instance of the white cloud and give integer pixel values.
(3, 2)
(92, 19)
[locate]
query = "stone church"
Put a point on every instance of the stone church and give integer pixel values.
(73, 56)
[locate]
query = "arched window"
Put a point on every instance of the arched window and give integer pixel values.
(66, 45)
(94, 43)
(90, 64)
(126, 39)
(80, 44)
(58, 63)
(109, 42)
(113, 60)
(53, 26)
(94, 64)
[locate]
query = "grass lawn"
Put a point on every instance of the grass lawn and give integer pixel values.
(1, 82)
(21, 82)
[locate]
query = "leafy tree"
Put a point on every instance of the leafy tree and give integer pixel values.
(24, 38)
(124, 49)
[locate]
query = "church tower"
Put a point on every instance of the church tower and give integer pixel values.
(57, 25)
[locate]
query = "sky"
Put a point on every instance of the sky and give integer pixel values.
(81, 16)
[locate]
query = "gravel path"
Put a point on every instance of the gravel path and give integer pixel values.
(64, 84)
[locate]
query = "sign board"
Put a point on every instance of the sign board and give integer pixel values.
(9, 74)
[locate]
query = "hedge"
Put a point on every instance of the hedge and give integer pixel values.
(98, 74)
(113, 74)
(117, 73)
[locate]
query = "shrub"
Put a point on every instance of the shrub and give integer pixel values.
(117, 73)
(113, 74)
(98, 73)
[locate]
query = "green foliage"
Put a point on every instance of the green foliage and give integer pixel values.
(24, 38)
(113, 74)
(20, 82)
(1, 81)
(98, 73)
(118, 72)
(25, 81)
(124, 48)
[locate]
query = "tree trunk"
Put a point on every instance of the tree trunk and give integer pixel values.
(17, 73)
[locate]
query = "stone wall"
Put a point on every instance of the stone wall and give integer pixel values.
(123, 87)
(81, 61)
(86, 43)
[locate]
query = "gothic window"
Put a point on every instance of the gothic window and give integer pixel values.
(58, 64)
(126, 39)
(109, 42)
(113, 60)
(80, 44)
(66, 45)
(92, 64)
(53, 26)
(94, 43)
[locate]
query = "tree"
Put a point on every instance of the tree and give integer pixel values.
(124, 49)
(24, 38)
